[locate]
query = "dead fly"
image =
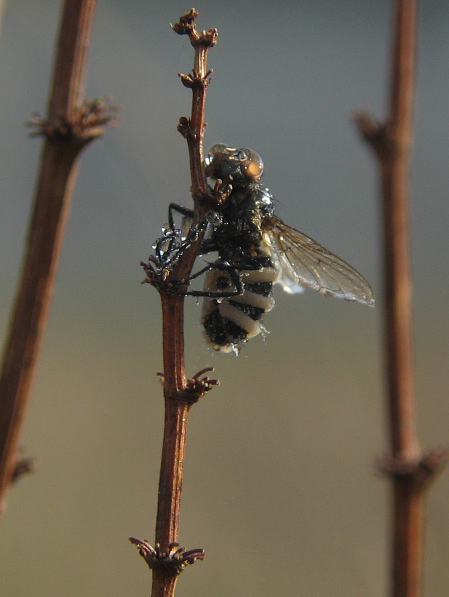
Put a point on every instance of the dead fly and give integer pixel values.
(255, 251)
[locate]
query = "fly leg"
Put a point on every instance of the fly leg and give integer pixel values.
(184, 211)
(234, 276)
(171, 245)
(174, 242)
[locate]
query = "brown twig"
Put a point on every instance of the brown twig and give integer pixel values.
(410, 470)
(166, 559)
(70, 126)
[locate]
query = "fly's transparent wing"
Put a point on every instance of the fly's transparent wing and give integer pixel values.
(303, 262)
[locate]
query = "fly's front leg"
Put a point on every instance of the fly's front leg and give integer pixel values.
(189, 230)
(184, 211)
(175, 241)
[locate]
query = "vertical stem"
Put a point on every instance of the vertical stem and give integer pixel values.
(71, 59)
(178, 399)
(396, 216)
(163, 586)
(398, 306)
(170, 484)
(173, 343)
(175, 425)
(410, 471)
(166, 559)
(170, 481)
(407, 538)
(51, 204)
(197, 123)
(408, 498)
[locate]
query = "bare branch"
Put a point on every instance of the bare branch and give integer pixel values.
(70, 126)
(168, 270)
(410, 471)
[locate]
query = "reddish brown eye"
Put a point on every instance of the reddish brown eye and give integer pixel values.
(253, 170)
(224, 162)
(251, 165)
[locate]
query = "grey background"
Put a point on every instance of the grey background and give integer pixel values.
(281, 488)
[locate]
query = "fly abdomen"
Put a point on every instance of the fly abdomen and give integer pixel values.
(230, 321)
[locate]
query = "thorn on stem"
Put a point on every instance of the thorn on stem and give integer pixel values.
(23, 467)
(185, 128)
(195, 80)
(367, 123)
(186, 80)
(375, 133)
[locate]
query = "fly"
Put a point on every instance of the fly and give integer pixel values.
(255, 251)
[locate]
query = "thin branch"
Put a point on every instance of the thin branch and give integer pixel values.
(73, 46)
(391, 142)
(198, 81)
(70, 126)
(410, 471)
(166, 559)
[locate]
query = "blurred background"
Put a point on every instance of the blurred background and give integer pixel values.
(281, 487)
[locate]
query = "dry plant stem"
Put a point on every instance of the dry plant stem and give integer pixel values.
(198, 125)
(410, 471)
(193, 129)
(179, 392)
(54, 189)
(395, 166)
(175, 425)
(71, 58)
(163, 586)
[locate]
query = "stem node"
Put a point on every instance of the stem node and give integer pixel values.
(171, 561)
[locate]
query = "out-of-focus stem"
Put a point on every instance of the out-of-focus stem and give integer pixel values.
(410, 470)
(396, 215)
(68, 129)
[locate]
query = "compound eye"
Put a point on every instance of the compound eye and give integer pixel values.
(217, 149)
(252, 166)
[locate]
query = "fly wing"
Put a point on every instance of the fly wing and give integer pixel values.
(303, 262)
